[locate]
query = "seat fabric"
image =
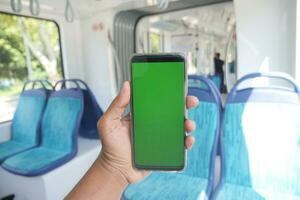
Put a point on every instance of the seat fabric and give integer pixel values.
(60, 126)
(11, 147)
(193, 181)
(167, 186)
(236, 192)
(91, 114)
(216, 79)
(26, 123)
(33, 160)
(62, 118)
(198, 160)
(261, 143)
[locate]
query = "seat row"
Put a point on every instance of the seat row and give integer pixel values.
(46, 124)
(258, 135)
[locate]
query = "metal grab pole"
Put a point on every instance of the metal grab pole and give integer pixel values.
(226, 59)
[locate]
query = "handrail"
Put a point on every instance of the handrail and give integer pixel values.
(37, 81)
(274, 75)
(115, 57)
(16, 5)
(63, 83)
(34, 7)
(210, 85)
(163, 4)
(69, 12)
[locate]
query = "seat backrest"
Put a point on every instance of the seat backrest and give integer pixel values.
(28, 114)
(206, 115)
(217, 81)
(91, 114)
(91, 111)
(60, 124)
(260, 139)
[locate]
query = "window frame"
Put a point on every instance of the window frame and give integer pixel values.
(59, 40)
(125, 25)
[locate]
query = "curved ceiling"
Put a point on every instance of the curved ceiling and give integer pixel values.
(216, 19)
(84, 8)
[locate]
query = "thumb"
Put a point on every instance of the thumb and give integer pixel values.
(119, 104)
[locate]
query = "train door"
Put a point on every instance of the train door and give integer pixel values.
(201, 34)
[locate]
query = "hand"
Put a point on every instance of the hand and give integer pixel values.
(115, 137)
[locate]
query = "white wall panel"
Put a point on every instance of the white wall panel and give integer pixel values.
(266, 33)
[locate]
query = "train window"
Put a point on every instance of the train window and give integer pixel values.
(155, 42)
(29, 49)
(200, 34)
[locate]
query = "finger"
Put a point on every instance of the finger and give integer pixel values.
(189, 125)
(189, 141)
(126, 118)
(119, 104)
(191, 102)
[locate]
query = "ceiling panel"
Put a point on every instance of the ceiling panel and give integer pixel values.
(82, 8)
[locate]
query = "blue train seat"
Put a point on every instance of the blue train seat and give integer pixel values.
(193, 82)
(91, 114)
(25, 128)
(260, 141)
(60, 126)
(216, 79)
(197, 178)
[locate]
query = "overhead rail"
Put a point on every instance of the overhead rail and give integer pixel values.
(34, 8)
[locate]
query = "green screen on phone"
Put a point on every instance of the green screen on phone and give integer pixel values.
(158, 106)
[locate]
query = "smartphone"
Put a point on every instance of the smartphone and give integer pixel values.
(158, 93)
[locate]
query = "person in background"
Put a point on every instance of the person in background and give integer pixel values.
(219, 70)
(113, 171)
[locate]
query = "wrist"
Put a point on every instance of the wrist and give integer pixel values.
(112, 171)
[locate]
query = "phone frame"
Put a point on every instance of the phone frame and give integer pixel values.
(162, 57)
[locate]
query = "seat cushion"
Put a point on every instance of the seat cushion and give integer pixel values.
(165, 186)
(280, 196)
(235, 192)
(11, 148)
(35, 161)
